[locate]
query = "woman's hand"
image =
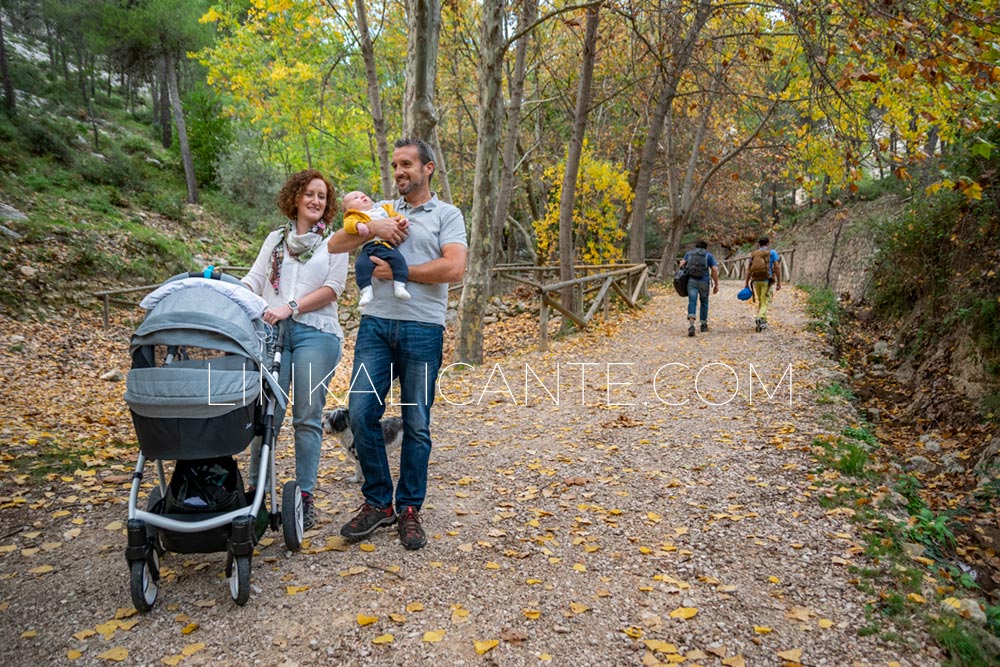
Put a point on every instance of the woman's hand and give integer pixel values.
(274, 315)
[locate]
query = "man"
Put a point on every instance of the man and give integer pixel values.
(764, 270)
(699, 264)
(402, 339)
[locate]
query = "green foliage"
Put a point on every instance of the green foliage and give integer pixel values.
(245, 177)
(833, 392)
(45, 138)
(845, 456)
(210, 133)
(966, 644)
(823, 309)
(930, 529)
(939, 259)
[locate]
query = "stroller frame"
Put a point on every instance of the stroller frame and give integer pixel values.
(239, 528)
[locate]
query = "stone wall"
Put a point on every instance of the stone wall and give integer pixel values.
(846, 234)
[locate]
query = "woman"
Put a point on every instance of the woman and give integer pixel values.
(300, 280)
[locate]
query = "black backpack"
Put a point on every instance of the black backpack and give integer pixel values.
(697, 264)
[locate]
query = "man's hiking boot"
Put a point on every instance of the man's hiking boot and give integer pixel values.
(308, 511)
(411, 533)
(704, 327)
(691, 330)
(367, 520)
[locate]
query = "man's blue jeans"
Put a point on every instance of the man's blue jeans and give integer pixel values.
(309, 358)
(387, 349)
(698, 288)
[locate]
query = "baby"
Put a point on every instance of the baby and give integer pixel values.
(359, 209)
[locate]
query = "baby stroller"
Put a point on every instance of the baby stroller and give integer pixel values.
(202, 387)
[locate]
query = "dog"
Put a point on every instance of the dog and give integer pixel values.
(338, 422)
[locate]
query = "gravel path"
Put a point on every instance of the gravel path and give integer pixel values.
(619, 500)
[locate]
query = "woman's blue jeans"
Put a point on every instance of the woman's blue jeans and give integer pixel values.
(309, 358)
(388, 349)
(698, 288)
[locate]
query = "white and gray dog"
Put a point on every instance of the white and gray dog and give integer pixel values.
(338, 422)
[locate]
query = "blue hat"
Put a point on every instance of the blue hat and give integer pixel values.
(744, 294)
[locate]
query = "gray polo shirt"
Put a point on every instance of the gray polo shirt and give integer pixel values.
(433, 225)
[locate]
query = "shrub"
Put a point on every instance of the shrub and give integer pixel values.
(46, 138)
(242, 175)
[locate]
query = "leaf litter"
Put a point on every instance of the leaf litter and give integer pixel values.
(622, 524)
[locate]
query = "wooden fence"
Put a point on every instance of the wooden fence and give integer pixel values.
(598, 284)
(111, 296)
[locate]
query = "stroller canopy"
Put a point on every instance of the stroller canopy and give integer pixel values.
(215, 315)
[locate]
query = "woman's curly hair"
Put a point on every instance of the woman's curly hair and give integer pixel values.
(293, 189)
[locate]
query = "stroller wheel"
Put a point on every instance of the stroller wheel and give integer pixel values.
(291, 515)
(143, 582)
(239, 581)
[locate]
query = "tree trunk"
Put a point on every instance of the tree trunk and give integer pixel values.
(423, 32)
(166, 139)
(182, 138)
(477, 280)
(9, 100)
(444, 189)
(567, 253)
(374, 100)
(671, 78)
(529, 9)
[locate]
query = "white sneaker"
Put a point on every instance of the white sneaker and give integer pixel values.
(366, 296)
(399, 289)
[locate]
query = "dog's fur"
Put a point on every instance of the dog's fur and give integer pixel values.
(338, 422)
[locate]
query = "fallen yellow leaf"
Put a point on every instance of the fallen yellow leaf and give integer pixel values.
(191, 649)
(367, 547)
(383, 639)
(189, 628)
(659, 645)
(116, 654)
(172, 660)
(486, 646)
(633, 632)
(432, 636)
(415, 606)
(792, 655)
(73, 654)
(762, 629)
(735, 661)
(824, 623)
(28, 634)
(578, 608)
(364, 619)
(294, 590)
(533, 614)
(41, 569)
(684, 612)
(916, 597)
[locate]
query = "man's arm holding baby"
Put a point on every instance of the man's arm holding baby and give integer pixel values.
(392, 230)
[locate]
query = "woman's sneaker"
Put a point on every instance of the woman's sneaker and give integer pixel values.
(411, 533)
(367, 520)
(308, 511)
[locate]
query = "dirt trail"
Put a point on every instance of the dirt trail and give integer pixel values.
(603, 522)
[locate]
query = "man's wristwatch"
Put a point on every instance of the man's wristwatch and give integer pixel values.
(294, 305)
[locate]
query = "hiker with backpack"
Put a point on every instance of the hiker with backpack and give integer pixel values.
(763, 272)
(700, 264)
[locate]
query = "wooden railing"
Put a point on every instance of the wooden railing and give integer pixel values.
(597, 284)
(110, 296)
